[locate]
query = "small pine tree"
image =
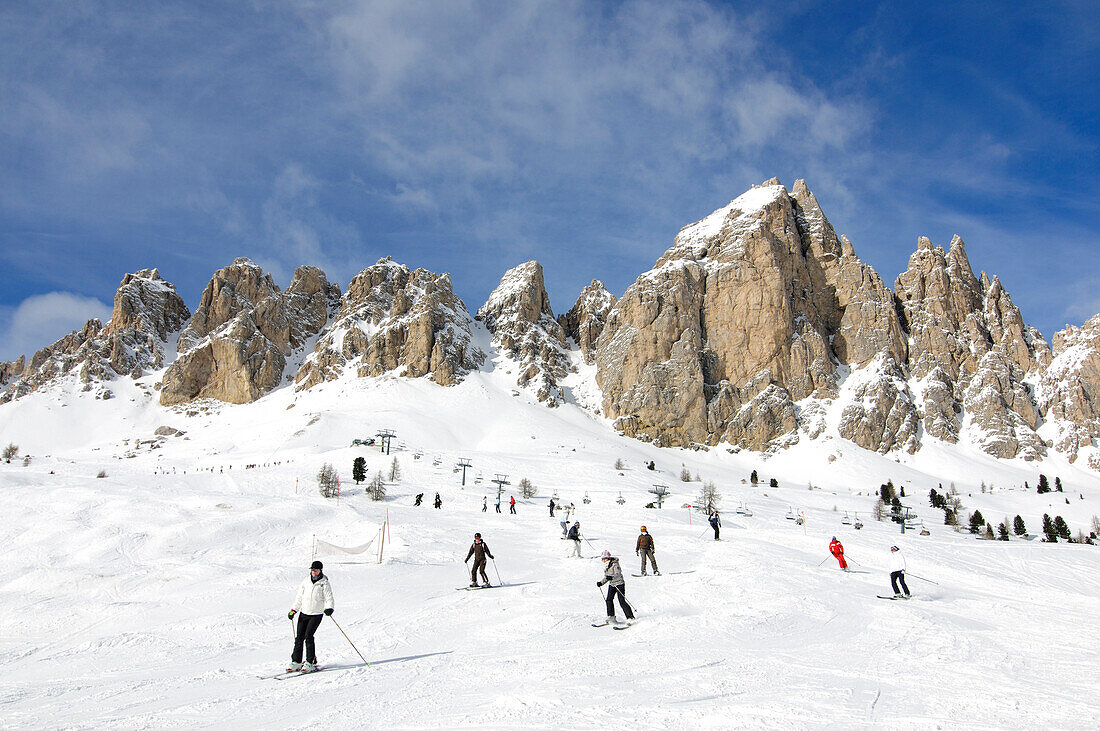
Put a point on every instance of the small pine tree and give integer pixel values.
(976, 521)
(754, 478)
(1096, 524)
(1049, 533)
(950, 517)
(709, 497)
(933, 498)
(1044, 485)
(395, 470)
(903, 490)
(879, 510)
(1061, 528)
(983, 487)
(619, 463)
(358, 469)
(1058, 484)
(887, 492)
(773, 482)
(1018, 526)
(376, 488)
(10, 452)
(327, 481)
(989, 532)
(526, 489)
(1002, 530)
(685, 475)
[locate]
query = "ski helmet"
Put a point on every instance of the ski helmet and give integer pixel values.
(605, 555)
(477, 535)
(316, 566)
(834, 538)
(643, 529)
(894, 548)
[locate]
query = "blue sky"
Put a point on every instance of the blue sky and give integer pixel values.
(469, 137)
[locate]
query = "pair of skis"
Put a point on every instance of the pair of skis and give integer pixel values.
(893, 598)
(288, 674)
(628, 625)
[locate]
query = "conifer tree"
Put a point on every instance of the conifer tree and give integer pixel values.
(1058, 484)
(1002, 530)
(773, 482)
(359, 469)
(989, 532)
(754, 478)
(976, 521)
(1044, 485)
(1061, 528)
(1018, 526)
(1049, 533)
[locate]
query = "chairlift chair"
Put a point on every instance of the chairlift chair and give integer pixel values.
(621, 500)
(747, 513)
(846, 520)
(586, 499)
(790, 514)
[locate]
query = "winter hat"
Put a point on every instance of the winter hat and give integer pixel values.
(605, 555)
(894, 548)
(316, 565)
(834, 538)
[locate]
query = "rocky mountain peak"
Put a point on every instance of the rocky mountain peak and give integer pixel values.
(519, 316)
(394, 319)
(586, 318)
(1069, 391)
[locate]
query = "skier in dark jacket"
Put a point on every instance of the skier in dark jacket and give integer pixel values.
(644, 548)
(574, 535)
(438, 501)
(479, 550)
(551, 507)
(613, 575)
(419, 497)
(715, 523)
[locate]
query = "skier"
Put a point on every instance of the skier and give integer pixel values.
(715, 523)
(484, 503)
(419, 497)
(613, 575)
(498, 502)
(564, 527)
(837, 549)
(479, 550)
(512, 504)
(644, 548)
(574, 535)
(897, 572)
(438, 501)
(551, 507)
(313, 602)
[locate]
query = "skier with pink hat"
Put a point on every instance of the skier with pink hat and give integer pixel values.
(613, 576)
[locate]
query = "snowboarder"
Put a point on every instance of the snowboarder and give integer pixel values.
(613, 576)
(484, 503)
(479, 550)
(313, 602)
(419, 497)
(438, 501)
(715, 523)
(574, 535)
(897, 572)
(551, 507)
(837, 549)
(644, 548)
(512, 504)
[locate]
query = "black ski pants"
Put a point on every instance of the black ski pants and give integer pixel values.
(895, 577)
(620, 591)
(307, 626)
(715, 526)
(512, 508)
(479, 564)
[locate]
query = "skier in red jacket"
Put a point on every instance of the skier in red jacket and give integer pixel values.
(837, 549)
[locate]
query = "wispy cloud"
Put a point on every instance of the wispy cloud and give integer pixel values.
(41, 319)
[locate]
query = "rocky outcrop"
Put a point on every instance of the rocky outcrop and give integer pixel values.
(519, 316)
(881, 415)
(391, 319)
(744, 315)
(236, 345)
(10, 370)
(973, 352)
(1069, 391)
(146, 312)
(585, 320)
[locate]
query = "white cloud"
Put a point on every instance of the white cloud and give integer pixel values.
(43, 319)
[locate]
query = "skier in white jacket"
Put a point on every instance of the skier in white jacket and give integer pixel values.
(313, 602)
(897, 572)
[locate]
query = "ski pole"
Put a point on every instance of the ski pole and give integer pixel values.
(499, 581)
(345, 634)
(293, 633)
(921, 578)
(705, 530)
(824, 560)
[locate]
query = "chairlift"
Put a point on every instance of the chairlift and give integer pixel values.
(800, 519)
(586, 499)
(846, 520)
(858, 524)
(740, 510)
(790, 514)
(621, 500)
(747, 513)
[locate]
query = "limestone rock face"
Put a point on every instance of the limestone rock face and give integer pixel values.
(970, 346)
(519, 316)
(393, 319)
(1070, 389)
(146, 312)
(751, 310)
(586, 318)
(10, 370)
(881, 416)
(236, 345)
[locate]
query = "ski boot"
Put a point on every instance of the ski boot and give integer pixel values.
(643, 573)
(473, 584)
(656, 573)
(309, 667)
(486, 585)
(294, 667)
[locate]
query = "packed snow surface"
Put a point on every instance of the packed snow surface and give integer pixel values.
(155, 596)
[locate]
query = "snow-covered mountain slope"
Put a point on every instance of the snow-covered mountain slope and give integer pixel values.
(156, 595)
